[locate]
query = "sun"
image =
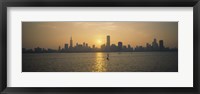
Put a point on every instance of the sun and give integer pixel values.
(99, 41)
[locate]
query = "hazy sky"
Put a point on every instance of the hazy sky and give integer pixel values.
(55, 34)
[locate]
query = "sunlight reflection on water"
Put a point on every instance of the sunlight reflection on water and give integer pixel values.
(100, 63)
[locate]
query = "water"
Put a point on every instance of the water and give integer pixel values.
(97, 62)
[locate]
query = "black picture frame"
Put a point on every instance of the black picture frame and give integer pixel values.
(98, 3)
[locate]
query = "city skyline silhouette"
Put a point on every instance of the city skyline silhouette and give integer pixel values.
(106, 47)
(54, 34)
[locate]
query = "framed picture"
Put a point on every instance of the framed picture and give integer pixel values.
(131, 46)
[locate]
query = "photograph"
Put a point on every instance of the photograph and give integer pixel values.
(99, 46)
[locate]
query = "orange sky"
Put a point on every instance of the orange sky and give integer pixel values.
(54, 34)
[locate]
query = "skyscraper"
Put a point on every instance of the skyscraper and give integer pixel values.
(59, 48)
(71, 43)
(93, 46)
(161, 44)
(129, 46)
(155, 44)
(120, 46)
(66, 46)
(108, 41)
(83, 44)
(86, 44)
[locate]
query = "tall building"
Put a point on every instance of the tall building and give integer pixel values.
(103, 46)
(129, 46)
(59, 48)
(86, 44)
(120, 46)
(161, 44)
(155, 44)
(66, 46)
(148, 45)
(71, 43)
(93, 46)
(108, 41)
(83, 44)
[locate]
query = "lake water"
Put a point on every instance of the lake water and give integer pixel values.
(98, 62)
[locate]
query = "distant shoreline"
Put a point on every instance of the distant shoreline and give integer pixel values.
(98, 52)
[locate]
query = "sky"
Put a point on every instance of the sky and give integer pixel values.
(55, 34)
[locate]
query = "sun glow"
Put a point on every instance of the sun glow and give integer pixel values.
(99, 41)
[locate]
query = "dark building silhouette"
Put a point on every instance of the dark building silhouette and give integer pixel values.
(108, 43)
(66, 47)
(59, 48)
(120, 46)
(38, 50)
(104, 47)
(113, 48)
(155, 44)
(148, 46)
(84, 44)
(24, 50)
(129, 48)
(51, 50)
(161, 44)
(93, 46)
(139, 49)
(155, 47)
(124, 47)
(71, 43)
